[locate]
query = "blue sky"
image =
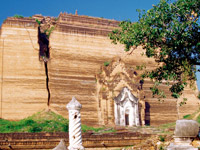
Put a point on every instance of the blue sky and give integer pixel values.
(110, 9)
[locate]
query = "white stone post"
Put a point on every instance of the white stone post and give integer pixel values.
(185, 132)
(75, 137)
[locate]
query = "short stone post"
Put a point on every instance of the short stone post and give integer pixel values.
(75, 137)
(185, 132)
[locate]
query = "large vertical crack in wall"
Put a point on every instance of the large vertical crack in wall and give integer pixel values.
(47, 83)
(44, 30)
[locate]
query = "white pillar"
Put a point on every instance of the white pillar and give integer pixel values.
(116, 113)
(122, 116)
(75, 138)
(137, 120)
(131, 117)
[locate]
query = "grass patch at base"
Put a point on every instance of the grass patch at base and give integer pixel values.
(44, 121)
(187, 116)
(87, 128)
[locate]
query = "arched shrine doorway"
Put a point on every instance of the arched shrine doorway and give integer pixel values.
(119, 95)
(126, 109)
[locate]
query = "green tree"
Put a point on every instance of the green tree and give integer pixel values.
(170, 33)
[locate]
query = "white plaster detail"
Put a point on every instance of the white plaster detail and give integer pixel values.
(185, 132)
(61, 145)
(75, 137)
(126, 109)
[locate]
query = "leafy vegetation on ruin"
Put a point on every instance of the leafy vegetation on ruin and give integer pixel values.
(198, 95)
(18, 16)
(170, 33)
(38, 22)
(106, 63)
(48, 31)
(44, 121)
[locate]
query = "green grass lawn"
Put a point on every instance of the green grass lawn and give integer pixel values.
(48, 121)
(44, 121)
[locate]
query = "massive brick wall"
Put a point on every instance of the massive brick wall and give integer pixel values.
(78, 48)
(23, 90)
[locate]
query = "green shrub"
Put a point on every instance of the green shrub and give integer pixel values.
(35, 128)
(65, 128)
(198, 95)
(161, 148)
(161, 138)
(29, 122)
(39, 22)
(198, 119)
(186, 116)
(106, 63)
(141, 67)
(56, 18)
(49, 31)
(18, 16)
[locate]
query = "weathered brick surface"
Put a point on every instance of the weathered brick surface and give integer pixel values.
(50, 140)
(78, 48)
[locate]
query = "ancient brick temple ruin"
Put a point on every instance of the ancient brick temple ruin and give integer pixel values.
(45, 61)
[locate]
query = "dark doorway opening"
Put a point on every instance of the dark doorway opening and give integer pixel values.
(127, 119)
